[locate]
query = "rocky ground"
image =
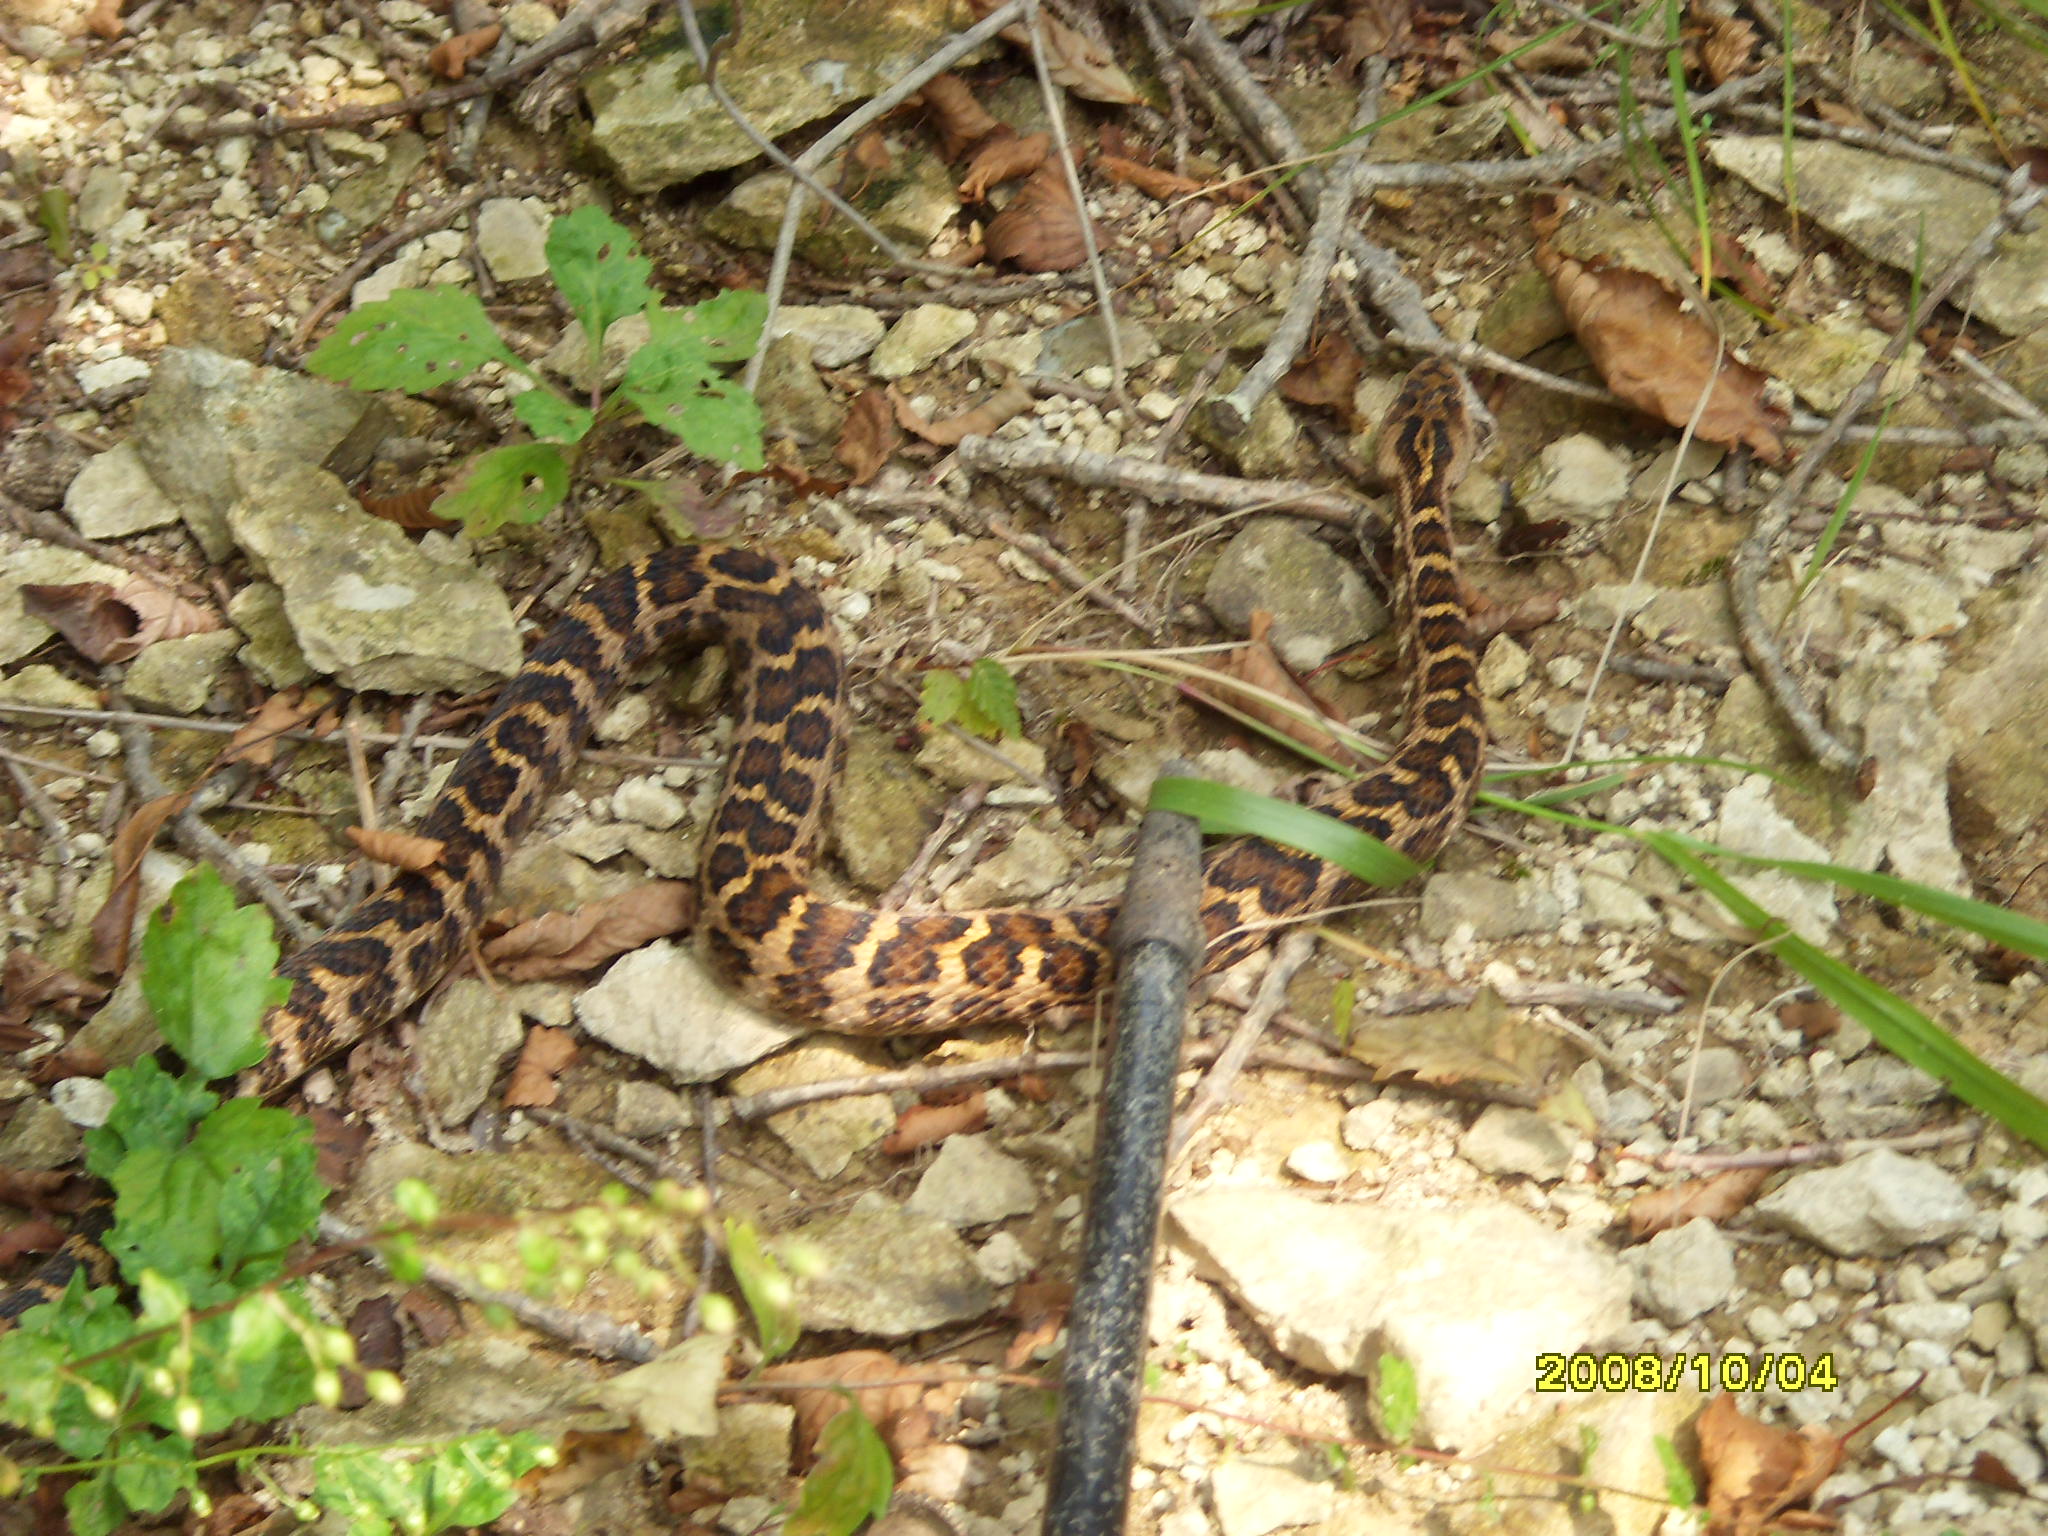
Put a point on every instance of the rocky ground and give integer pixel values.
(1552, 1027)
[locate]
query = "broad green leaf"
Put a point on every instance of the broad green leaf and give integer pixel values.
(547, 415)
(599, 270)
(418, 339)
(152, 1469)
(993, 693)
(220, 1213)
(95, 1506)
(522, 483)
(766, 1286)
(206, 970)
(851, 1483)
(1223, 809)
(674, 381)
(944, 692)
(380, 1490)
(725, 328)
(151, 1109)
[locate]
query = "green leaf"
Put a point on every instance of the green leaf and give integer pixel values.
(151, 1109)
(673, 380)
(378, 1490)
(416, 340)
(522, 483)
(766, 1286)
(599, 270)
(547, 415)
(152, 1469)
(95, 1506)
(53, 212)
(1679, 1487)
(725, 328)
(944, 694)
(206, 970)
(1399, 1401)
(220, 1213)
(851, 1482)
(993, 693)
(1223, 809)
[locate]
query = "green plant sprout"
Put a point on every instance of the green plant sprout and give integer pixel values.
(209, 1197)
(420, 339)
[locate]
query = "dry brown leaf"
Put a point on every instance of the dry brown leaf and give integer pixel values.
(401, 850)
(1041, 229)
(961, 120)
(107, 622)
(1148, 179)
(114, 923)
(1072, 59)
(1326, 375)
(870, 152)
(1003, 156)
(1839, 114)
(1815, 1018)
(29, 982)
(256, 742)
(571, 943)
(869, 437)
(922, 1125)
(1716, 1198)
(412, 509)
(1040, 1308)
(546, 1054)
(103, 19)
(452, 56)
(1756, 1472)
(1374, 29)
(815, 1409)
(1258, 663)
(1659, 357)
(978, 421)
(1728, 49)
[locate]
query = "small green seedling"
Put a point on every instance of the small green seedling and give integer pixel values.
(420, 339)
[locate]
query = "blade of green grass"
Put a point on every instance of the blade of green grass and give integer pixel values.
(1221, 808)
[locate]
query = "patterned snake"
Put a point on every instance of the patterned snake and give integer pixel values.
(784, 945)
(845, 968)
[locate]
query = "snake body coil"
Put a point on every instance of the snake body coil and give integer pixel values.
(840, 967)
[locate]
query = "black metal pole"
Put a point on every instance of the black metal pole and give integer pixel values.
(1159, 947)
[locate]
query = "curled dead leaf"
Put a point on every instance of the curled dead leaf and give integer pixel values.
(256, 742)
(115, 621)
(1658, 356)
(923, 1125)
(1258, 663)
(1716, 1198)
(28, 982)
(542, 1059)
(1755, 1471)
(1009, 401)
(114, 923)
(841, 1373)
(1728, 49)
(869, 436)
(1041, 229)
(1148, 179)
(1326, 374)
(452, 56)
(412, 509)
(1003, 156)
(400, 850)
(572, 943)
(961, 120)
(1072, 59)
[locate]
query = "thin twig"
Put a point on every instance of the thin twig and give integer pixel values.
(1233, 412)
(1745, 572)
(958, 809)
(1816, 1151)
(1289, 956)
(1161, 482)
